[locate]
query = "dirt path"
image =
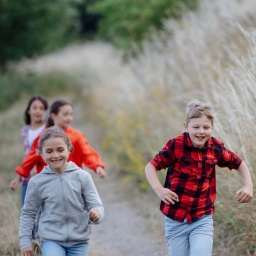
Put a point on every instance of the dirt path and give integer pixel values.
(133, 224)
(127, 229)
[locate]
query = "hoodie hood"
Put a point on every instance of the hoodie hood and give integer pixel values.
(70, 168)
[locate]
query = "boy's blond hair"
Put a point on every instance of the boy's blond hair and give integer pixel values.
(196, 109)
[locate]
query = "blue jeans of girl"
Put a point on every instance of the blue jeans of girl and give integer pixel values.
(51, 248)
(195, 239)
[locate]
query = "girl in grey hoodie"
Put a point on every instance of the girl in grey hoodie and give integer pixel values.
(68, 199)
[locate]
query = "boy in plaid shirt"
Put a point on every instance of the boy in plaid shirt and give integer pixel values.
(187, 198)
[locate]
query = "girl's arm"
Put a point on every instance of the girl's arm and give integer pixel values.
(245, 194)
(15, 182)
(30, 160)
(28, 214)
(92, 199)
(166, 195)
(91, 158)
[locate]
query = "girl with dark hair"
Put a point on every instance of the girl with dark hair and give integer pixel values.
(34, 125)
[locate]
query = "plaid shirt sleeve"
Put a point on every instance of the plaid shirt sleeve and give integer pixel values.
(227, 158)
(165, 157)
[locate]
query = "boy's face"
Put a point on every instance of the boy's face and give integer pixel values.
(200, 130)
(55, 153)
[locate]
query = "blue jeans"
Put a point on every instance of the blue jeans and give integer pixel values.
(51, 248)
(195, 239)
(23, 193)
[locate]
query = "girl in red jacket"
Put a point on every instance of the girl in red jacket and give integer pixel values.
(61, 115)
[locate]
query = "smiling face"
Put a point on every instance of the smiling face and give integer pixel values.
(36, 111)
(55, 153)
(200, 130)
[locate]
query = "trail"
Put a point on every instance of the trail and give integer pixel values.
(126, 228)
(133, 223)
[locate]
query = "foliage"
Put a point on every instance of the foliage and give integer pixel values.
(126, 22)
(126, 141)
(14, 85)
(88, 21)
(28, 28)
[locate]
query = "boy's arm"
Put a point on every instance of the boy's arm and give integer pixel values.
(166, 195)
(245, 194)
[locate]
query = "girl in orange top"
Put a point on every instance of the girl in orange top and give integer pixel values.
(61, 115)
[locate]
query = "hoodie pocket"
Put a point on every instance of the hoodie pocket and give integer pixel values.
(79, 225)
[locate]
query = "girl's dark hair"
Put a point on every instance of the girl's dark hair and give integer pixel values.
(54, 132)
(27, 118)
(55, 109)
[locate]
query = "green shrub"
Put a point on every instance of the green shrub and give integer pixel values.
(14, 85)
(125, 22)
(28, 28)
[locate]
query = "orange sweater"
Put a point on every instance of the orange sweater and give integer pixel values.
(83, 154)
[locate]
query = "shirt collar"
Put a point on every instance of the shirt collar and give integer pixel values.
(189, 143)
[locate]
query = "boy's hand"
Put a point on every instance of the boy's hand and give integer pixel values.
(166, 195)
(244, 194)
(94, 215)
(100, 171)
(27, 252)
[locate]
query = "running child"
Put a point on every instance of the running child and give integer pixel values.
(67, 198)
(34, 125)
(187, 198)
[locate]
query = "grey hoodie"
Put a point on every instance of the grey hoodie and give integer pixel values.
(65, 200)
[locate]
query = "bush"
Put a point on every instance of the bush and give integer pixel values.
(14, 85)
(126, 22)
(29, 27)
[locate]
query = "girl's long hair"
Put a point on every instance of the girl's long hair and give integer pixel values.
(55, 109)
(27, 118)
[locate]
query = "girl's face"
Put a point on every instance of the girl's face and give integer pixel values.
(36, 111)
(55, 153)
(200, 130)
(64, 118)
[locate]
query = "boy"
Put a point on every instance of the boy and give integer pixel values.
(187, 198)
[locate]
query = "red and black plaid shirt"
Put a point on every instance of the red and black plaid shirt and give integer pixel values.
(191, 175)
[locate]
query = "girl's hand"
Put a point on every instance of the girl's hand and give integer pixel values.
(27, 252)
(244, 194)
(33, 172)
(100, 171)
(166, 195)
(94, 215)
(15, 182)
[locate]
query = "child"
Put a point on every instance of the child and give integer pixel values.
(67, 197)
(61, 115)
(34, 125)
(187, 198)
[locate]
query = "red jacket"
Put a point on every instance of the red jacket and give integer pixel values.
(83, 154)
